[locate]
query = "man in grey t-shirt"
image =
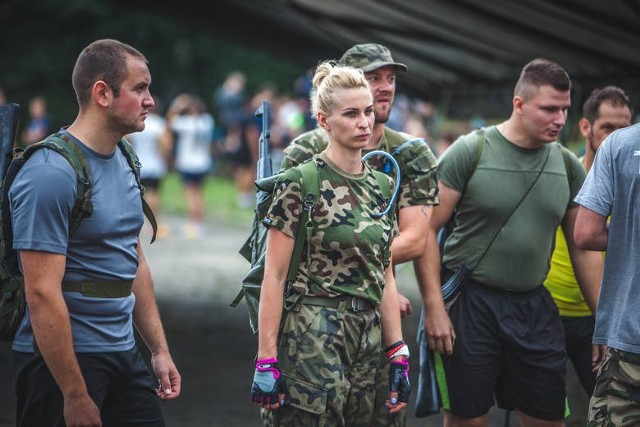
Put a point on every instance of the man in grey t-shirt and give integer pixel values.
(611, 190)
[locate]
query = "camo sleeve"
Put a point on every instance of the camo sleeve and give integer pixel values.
(419, 184)
(303, 148)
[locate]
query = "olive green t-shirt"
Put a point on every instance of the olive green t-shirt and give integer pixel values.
(518, 259)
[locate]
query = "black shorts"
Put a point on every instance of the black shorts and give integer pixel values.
(150, 183)
(194, 179)
(510, 345)
(119, 383)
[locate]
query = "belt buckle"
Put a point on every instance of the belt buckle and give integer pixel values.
(357, 304)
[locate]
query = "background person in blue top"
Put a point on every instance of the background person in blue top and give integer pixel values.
(611, 189)
(83, 367)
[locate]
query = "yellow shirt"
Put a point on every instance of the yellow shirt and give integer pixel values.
(562, 283)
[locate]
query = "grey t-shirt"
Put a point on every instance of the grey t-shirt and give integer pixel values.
(612, 188)
(104, 247)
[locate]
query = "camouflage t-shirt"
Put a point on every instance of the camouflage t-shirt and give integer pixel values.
(418, 184)
(350, 250)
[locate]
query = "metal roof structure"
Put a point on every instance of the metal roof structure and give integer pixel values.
(450, 46)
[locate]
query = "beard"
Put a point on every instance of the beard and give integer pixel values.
(592, 142)
(382, 115)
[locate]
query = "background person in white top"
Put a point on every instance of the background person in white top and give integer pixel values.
(151, 147)
(192, 130)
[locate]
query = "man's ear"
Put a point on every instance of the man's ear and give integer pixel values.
(518, 101)
(102, 93)
(585, 127)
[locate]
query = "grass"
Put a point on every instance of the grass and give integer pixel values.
(220, 198)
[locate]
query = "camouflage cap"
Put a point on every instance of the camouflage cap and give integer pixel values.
(369, 57)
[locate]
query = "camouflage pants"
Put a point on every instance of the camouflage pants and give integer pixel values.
(616, 398)
(381, 416)
(329, 359)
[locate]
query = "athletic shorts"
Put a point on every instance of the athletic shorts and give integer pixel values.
(510, 345)
(193, 178)
(119, 383)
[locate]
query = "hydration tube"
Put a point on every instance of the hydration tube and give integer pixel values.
(392, 199)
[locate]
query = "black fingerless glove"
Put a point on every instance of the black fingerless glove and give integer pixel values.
(266, 386)
(399, 379)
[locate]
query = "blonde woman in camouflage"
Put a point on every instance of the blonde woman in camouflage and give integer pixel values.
(318, 364)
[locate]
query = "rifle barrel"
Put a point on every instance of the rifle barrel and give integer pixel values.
(264, 167)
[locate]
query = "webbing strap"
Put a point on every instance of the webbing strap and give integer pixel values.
(134, 163)
(100, 289)
(62, 144)
(310, 189)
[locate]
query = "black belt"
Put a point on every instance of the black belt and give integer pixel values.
(100, 289)
(347, 302)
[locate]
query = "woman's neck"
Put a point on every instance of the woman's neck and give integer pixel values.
(349, 160)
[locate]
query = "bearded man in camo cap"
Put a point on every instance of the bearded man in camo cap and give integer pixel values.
(418, 186)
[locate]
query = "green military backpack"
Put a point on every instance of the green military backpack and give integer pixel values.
(254, 248)
(12, 297)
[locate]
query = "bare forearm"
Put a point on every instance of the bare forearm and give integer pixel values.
(52, 332)
(588, 267)
(389, 313)
(590, 230)
(146, 316)
(427, 269)
(405, 248)
(409, 243)
(269, 318)
(43, 273)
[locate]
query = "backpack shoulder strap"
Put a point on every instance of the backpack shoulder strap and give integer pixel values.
(67, 148)
(385, 189)
(134, 163)
(383, 183)
(310, 191)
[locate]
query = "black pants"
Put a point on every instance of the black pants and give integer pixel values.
(578, 333)
(119, 383)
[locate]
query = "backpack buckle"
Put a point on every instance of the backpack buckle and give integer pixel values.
(359, 304)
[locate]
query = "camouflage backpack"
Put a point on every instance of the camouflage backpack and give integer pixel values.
(12, 298)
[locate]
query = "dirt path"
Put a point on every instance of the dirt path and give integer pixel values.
(212, 343)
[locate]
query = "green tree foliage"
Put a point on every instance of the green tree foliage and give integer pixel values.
(42, 38)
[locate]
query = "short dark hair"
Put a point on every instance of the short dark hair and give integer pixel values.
(613, 94)
(541, 72)
(105, 60)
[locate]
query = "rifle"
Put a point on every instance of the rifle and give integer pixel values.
(264, 167)
(254, 248)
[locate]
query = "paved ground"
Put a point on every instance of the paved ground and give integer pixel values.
(212, 343)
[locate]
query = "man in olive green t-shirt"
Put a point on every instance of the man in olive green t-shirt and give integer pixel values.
(502, 336)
